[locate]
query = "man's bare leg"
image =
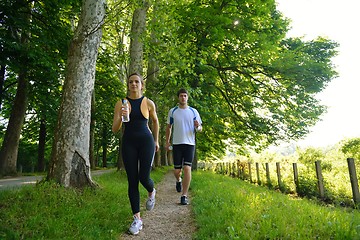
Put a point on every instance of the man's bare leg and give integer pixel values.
(177, 174)
(186, 180)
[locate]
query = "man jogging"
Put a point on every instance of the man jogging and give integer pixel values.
(183, 121)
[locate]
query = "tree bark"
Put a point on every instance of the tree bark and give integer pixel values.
(152, 80)
(42, 144)
(92, 133)
(9, 149)
(2, 81)
(70, 165)
(136, 44)
(104, 145)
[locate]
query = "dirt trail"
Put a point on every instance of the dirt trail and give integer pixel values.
(169, 219)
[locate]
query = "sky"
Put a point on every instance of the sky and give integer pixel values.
(336, 20)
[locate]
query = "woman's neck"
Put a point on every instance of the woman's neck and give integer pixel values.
(135, 95)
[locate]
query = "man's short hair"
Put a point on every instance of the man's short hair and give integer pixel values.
(182, 90)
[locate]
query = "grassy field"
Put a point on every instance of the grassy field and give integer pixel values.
(224, 208)
(227, 208)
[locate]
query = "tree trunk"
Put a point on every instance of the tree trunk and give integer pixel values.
(9, 149)
(70, 165)
(92, 133)
(98, 146)
(104, 146)
(152, 80)
(2, 82)
(136, 45)
(164, 156)
(41, 148)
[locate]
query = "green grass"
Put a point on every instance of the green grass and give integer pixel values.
(227, 208)
(49, 211)
(223, 207)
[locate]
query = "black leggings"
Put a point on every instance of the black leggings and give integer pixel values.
(138, 155)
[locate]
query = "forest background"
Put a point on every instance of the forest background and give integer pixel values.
(253, 85)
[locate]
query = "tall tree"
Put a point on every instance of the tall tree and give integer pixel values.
(2, 80)
(152, 81)
(9, 148)
(42, 146)
(70, 165)
(138, 28)
(92, 133)
(252, 86)
(43, 56)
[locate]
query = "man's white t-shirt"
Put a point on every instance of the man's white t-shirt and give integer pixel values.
(183, 124)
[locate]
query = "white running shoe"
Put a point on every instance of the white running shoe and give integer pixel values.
(136, 226)
(150, 203)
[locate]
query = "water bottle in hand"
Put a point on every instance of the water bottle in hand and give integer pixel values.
(125, 106)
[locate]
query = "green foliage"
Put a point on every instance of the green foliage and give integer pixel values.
(251, 84)
(42, 57)
(307, 186)
(310, 155)
(233, 209)
(351, 148)
(27, 156)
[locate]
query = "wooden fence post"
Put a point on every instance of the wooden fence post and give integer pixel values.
(230, 169)
(258, 173)
(268, 174)
(278, 175)
(249, 165)
(242, 171)
(238, 168)
(238, 165)
(320, 178)
(234, 169)
(353, 180)
(296, 177)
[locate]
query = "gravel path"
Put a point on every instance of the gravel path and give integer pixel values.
(169, 219)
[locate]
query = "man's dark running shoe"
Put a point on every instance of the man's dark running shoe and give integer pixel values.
(184, 200)
(178, 186)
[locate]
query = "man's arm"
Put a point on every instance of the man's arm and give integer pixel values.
(168, 135)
